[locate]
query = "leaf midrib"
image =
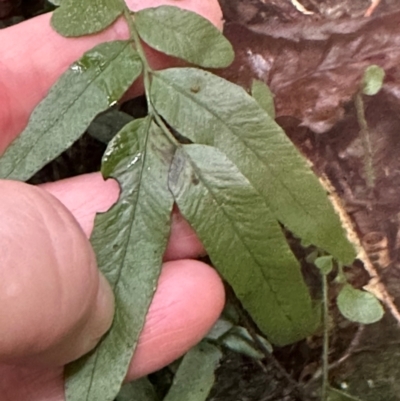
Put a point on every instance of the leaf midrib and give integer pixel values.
(235, 230)
(128, 240)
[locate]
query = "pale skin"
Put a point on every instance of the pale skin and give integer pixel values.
(54, 303)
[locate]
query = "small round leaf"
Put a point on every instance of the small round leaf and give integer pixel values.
(359, 306)
(324, 263)
(373, 80)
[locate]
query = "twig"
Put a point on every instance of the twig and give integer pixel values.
(350, 350)
(299, 7)
(372, 8)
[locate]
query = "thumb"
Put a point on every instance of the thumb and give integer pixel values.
(54, 304)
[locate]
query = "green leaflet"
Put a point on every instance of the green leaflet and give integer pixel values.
(359, 306)
(84, 17)
(373, 80)
(324, 264)
(238, 339)
(195, 375)
(240, 345)
(243, 240)
(265, 98)
(221, 327)
(138, 390)
(89, 87)
(129, 241)
(222, 114)
(184, 34)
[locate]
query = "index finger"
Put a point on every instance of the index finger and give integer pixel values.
(33, 56)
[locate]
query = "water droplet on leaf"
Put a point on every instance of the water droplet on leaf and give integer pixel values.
(134, 160)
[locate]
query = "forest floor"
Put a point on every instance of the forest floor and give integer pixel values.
(313, 58)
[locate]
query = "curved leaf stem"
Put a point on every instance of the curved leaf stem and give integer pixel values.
(147, 73)
(134, 36)
(366, 141)
(163, 127)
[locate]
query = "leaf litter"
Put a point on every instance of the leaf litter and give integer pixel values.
(314, 66)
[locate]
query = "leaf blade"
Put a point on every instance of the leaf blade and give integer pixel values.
(359, 306)
(195, 375)
(89, 87)
(232, 220)
(223, 115)
(129, 241)
(184, 34)
(84, 17)
(140, 389)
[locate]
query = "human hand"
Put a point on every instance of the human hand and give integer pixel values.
(54, 304)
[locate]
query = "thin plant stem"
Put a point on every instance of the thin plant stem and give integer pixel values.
(350, 350)
(147, 73)
(165, 129)
(139, 48)
(325, 347)
(366, 141)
